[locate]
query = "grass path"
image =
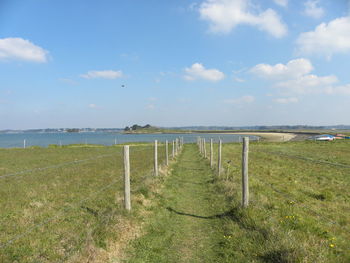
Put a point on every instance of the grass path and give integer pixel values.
(186, 223)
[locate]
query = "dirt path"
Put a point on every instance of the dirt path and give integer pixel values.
(186, 223)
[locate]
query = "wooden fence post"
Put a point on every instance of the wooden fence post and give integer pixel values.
(173, 155)
(176, 146)
(211, 153)
(127, 198)
(155, 158)
(205, 149)
(166, 153)
(245, 181)
(219, 157)
(24, 144)
(200, 145)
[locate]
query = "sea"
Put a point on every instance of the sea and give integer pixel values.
(23, 140)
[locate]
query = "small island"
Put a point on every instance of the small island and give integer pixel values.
(138, 129)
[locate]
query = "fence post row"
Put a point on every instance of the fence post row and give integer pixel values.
(204, 148)
(127, 198)
(173, 154)
(211, 153)
(166, 153)
(219, 157)
(176, 146)
(245, 182)
(198, 144)
(155, 158)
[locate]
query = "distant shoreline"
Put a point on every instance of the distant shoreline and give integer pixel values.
(266, 136)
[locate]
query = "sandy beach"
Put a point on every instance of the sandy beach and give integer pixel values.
(270, 136)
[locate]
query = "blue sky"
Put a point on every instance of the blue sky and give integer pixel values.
(107, 63)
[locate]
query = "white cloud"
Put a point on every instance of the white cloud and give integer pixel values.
(326, 39)
(225, 15)
(294, 77)
(308, 84)
(286, 100)
(293, 69)
(198, 71)
(312, 9)
(283, 3)
(21, 49)
(342, 90)
(104, 74)
(242, 100)
(92, 106)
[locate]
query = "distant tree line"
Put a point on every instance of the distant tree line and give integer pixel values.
(137, 127)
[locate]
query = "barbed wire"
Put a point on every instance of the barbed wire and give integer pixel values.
(67, 163)
(60, 212)
(57, 215)
(56, 165)
(287, 196)
(305, 158)
(292, 198)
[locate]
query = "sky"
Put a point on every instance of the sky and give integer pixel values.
(114, 63)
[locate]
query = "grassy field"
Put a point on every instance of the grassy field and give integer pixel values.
(299, 207)
(71, 210)
(299, 210)
(71, 207)
(184, 222)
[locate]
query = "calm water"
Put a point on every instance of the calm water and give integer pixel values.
(44, 139)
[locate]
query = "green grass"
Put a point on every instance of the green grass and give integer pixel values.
(53, 214)
(299, 209)
(298, 212)
(186, 216)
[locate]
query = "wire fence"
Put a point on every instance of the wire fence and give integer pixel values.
(304, 158)
(228, 166)
(57, 165)
(87, 191)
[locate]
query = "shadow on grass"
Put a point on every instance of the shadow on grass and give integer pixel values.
(236, 214)
(244, 221)
(279, 256)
